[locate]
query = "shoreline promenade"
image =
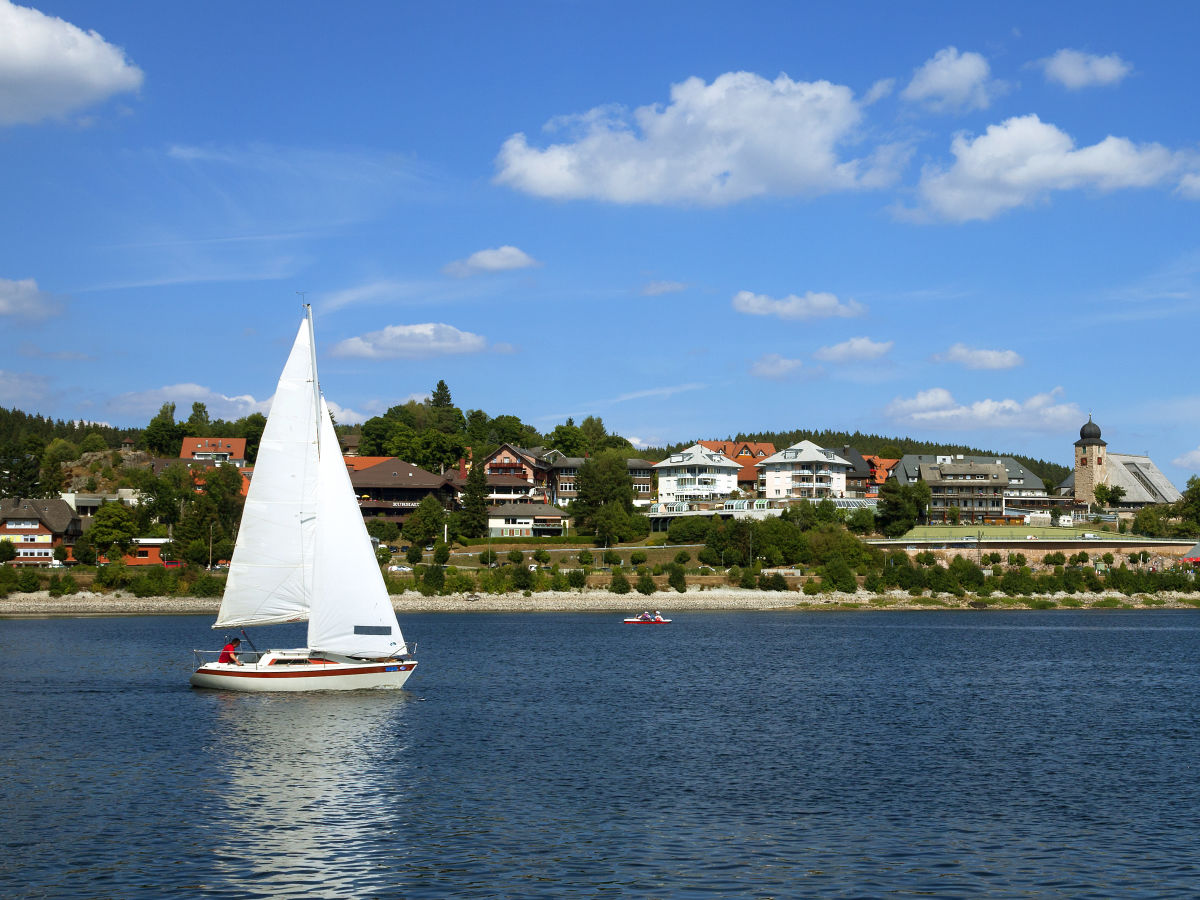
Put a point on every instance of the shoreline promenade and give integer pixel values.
(41, 604)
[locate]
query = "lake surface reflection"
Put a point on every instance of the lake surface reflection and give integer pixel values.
(772, 754)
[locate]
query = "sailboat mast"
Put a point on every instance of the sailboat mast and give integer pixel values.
(312, 349)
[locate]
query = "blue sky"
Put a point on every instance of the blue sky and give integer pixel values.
(953, 222)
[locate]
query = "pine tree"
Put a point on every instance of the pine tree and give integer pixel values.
(474, 517)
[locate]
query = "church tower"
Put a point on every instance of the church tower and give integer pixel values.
(1089, 462)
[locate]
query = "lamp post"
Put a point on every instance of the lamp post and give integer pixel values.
(210, 537)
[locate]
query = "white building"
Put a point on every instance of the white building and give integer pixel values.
(803, 470)
(696, 473)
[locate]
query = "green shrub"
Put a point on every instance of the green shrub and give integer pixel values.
(676, 579)
(612, 558)
(811, 588)
(522, 578)
(577, 578)
(208, 586)
(28, 581)
(458, 581)
(619, 583)
(645, 584)
(637, 557)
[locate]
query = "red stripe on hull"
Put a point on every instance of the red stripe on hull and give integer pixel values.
(312, 673)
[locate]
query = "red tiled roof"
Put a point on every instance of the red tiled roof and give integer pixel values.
(747, 453)
(880, 467)
(235, 447)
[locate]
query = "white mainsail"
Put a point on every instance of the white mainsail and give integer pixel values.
(351, 612)
(270, 575)
(303, 551)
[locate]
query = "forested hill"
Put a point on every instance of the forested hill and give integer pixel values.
(892, 448)
(17, 428)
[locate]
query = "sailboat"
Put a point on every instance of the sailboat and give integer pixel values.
(303, 554)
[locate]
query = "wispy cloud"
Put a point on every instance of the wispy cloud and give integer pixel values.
(421, 341)
(25, 300)
(937, 407)
(660, 392)
(775, 367)
(23, 389)
(49, 67)
(658, 288)
(496, 259)
(33, 351)
(807, 306)
(857, 349)
(973, 358)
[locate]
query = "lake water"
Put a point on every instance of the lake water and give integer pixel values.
(781, 754)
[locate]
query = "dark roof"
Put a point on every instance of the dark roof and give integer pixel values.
(393, 472)
(907, 470)
(859, 467)
(1089, 434)
(56, 515)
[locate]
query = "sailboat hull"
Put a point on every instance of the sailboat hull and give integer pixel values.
(275, 673)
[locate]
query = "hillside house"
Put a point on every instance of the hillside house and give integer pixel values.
(37, 528)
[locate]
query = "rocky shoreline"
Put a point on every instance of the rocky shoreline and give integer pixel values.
(40, 604)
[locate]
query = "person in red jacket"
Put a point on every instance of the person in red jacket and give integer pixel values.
(229, 652)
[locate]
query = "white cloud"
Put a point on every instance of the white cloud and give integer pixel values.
(775, 366)
(973, 358)
(411, 342)
(1020, 160)
(1189, 460)
(658, 288)
(498, 259)
(49, 67)
(343, 415)
(952, 82)
(220, 406)
(23, 300)
(937, 407)
(854, 350)
(1074, 70)
(740, 136)
(810, 306)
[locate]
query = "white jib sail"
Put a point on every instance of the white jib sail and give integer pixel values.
(351, 612)
(270, 576)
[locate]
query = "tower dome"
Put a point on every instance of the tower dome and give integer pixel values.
(1089, 434)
